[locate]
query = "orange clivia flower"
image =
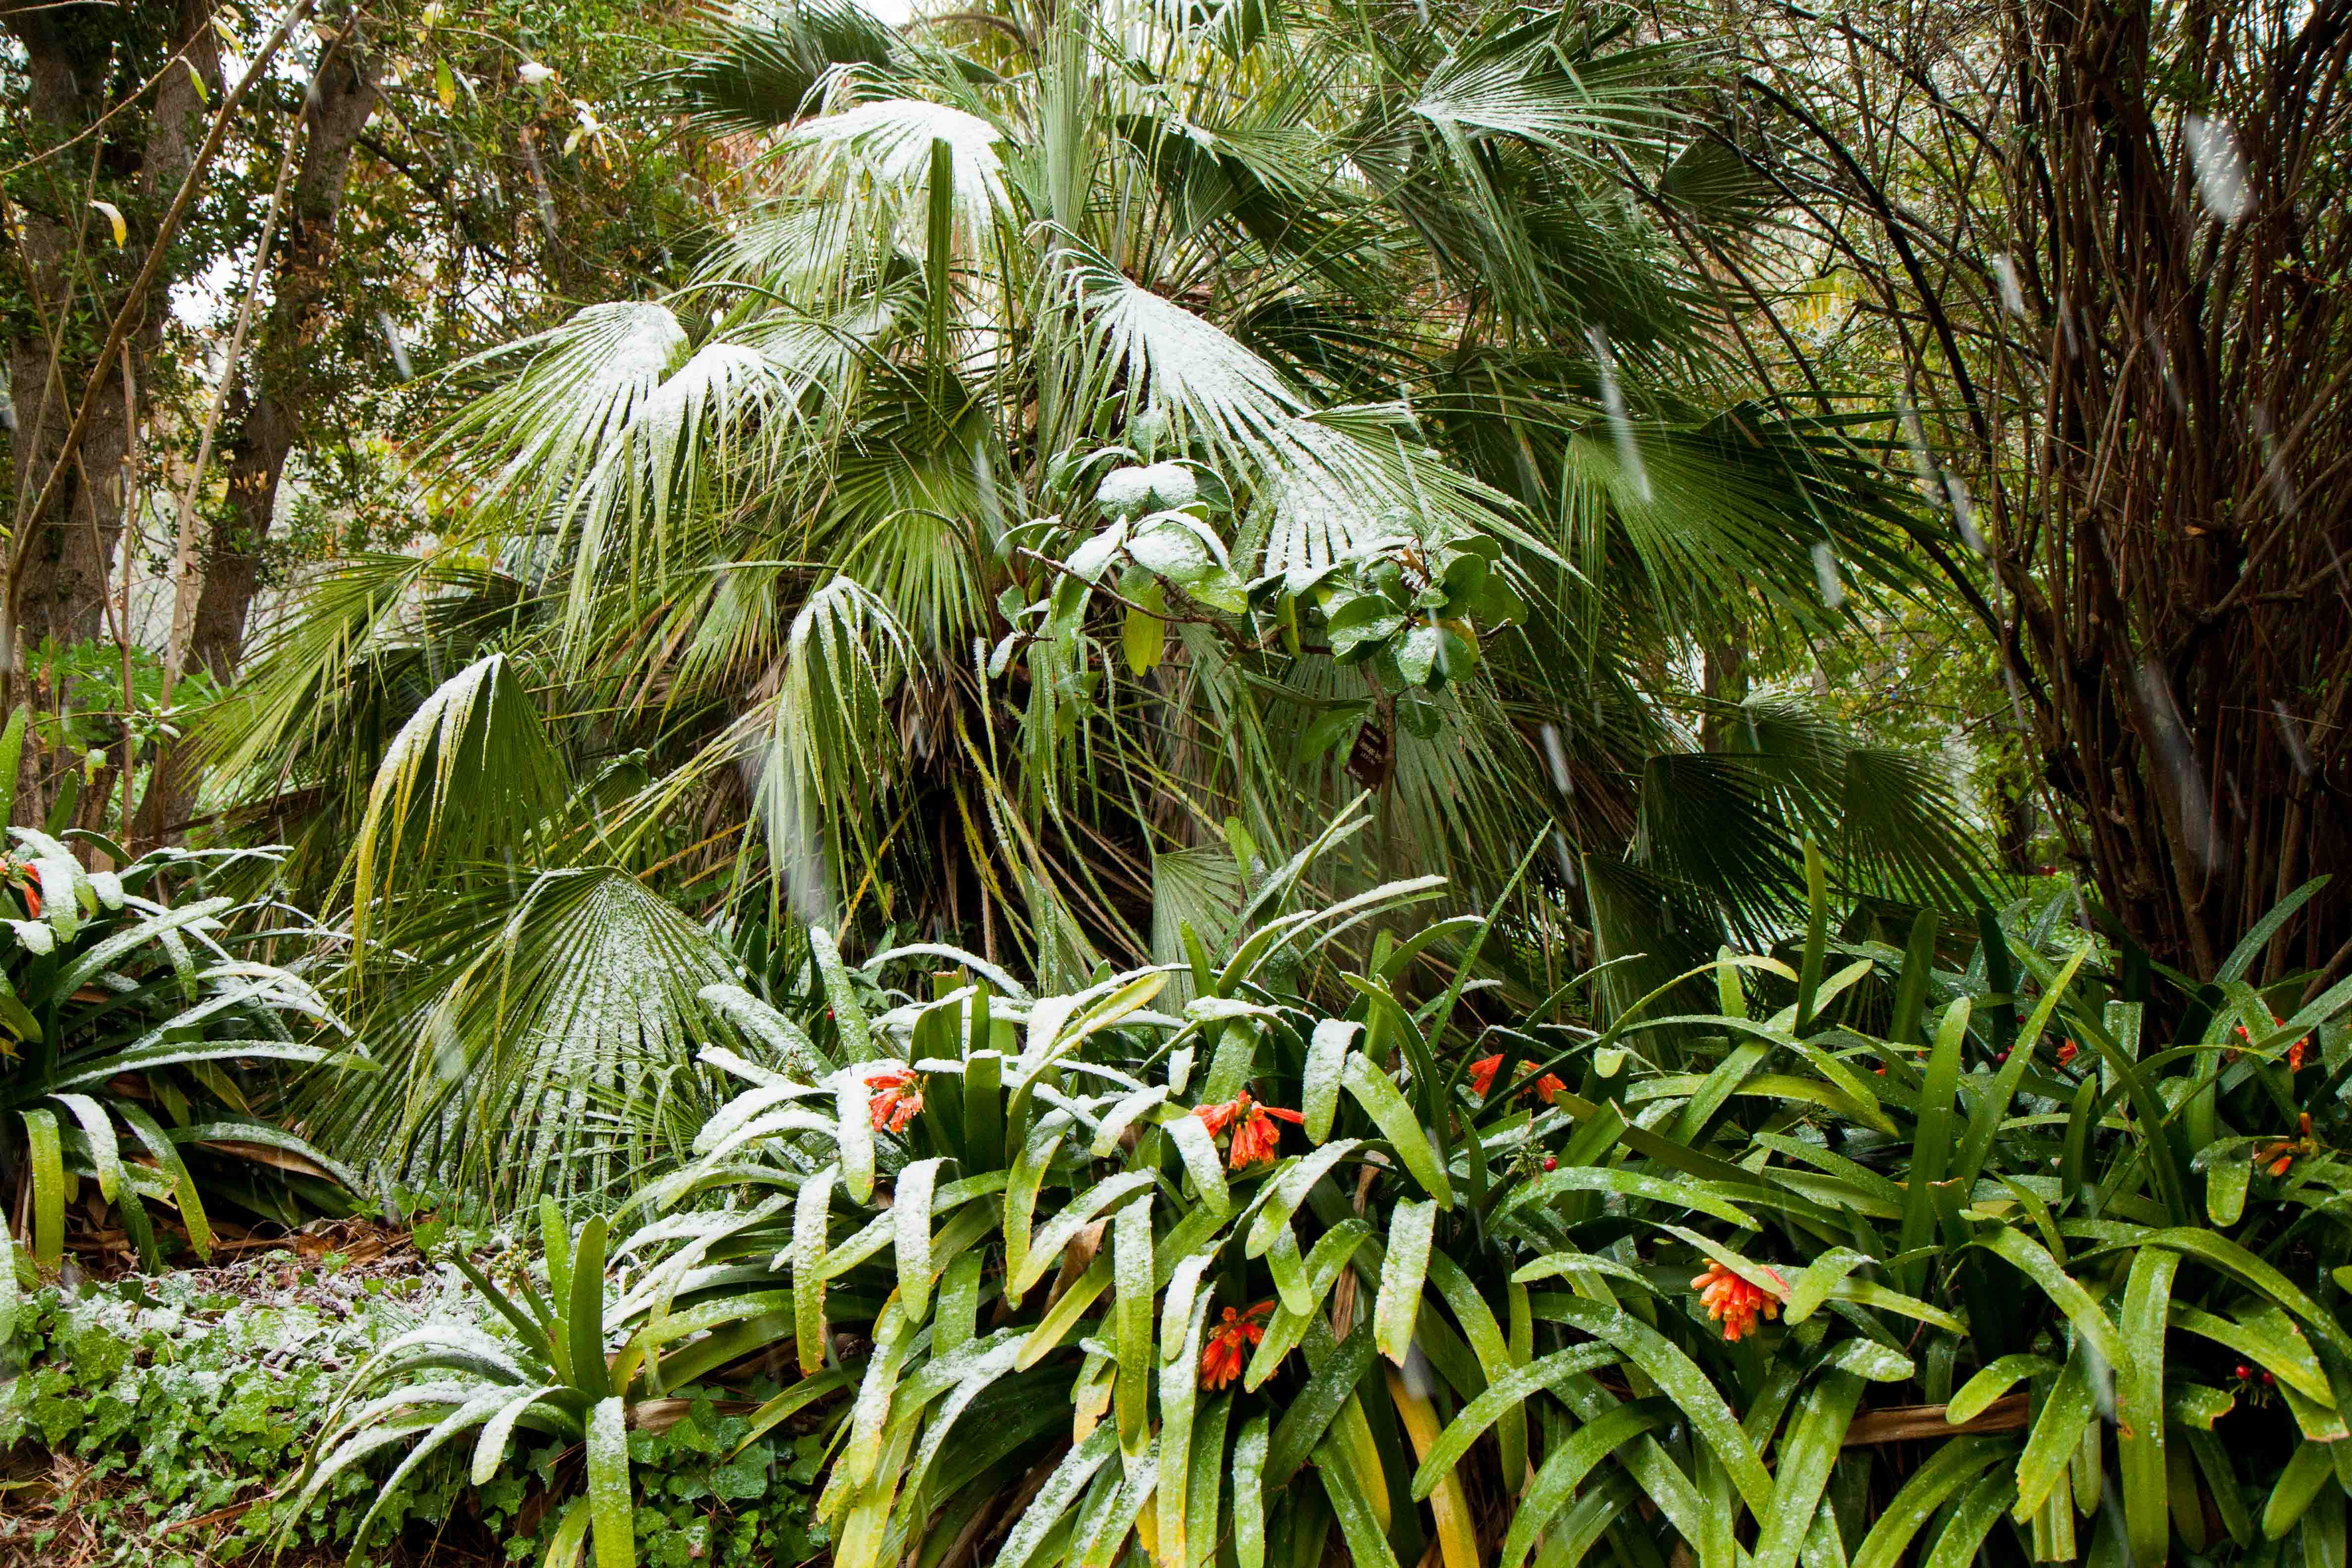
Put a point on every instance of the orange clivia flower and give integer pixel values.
(1482, 1080)
(897, 1098)
(2295, 1053)
(1256, 1136)
(2279, 1157)
(27, 881)
(1734, 1302)
(1229, 1347)
(2067, 1051)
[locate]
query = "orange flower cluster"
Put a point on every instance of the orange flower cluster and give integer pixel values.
(2295, 1053)
(1229, 1347)
(897, 1098)
(1734, 1302)
(2067, 1051)
(1256, 1136)
(2277, 1158)
(1482, 1078)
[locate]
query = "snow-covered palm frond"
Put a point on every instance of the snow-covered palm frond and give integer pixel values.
(614, 433)
(475, 758)
(555, 1051)
(809, 253)
(882, 150)
(769, 63)
(828, 742)
(1350, 481)
(1518, 85)
(1212, 388)
(548, 427)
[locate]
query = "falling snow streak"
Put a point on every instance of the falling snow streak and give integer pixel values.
(2178, 760)
(2221, 166)
(1613, 399)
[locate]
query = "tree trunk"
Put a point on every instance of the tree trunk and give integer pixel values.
(268, 409)
(60, 567)
(268, 422)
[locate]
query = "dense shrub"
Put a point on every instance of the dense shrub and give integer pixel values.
(1262, 1276)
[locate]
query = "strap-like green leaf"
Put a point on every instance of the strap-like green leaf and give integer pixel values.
(2068, 1296)
(1311, 1413)
(1134, 1280)
(811, 1210)
(2140, 1404)
(911, 1210)
(585, 1317)
(1020, 1204)
(1249, 1494)
(1807, 1452)
(1055, 1497)
(1046, 1249)
(1398, 1305)
(1326, 1053)
(2309, 1468)
(1509, 1391)
(1679, 1378)
(159, 1143)
(1393, 1115)
(2068, 1408)
(841, 995)
(1993, 1381)
(1565, 1466)
(1368, 1543)
(608, 1486)
(45, 1153)
(1289, 1189)
(1702, 1197)
(1950, 1468)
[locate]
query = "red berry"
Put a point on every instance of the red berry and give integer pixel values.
(1551, 1164)
(2269, 1379)
(2244, 1372)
